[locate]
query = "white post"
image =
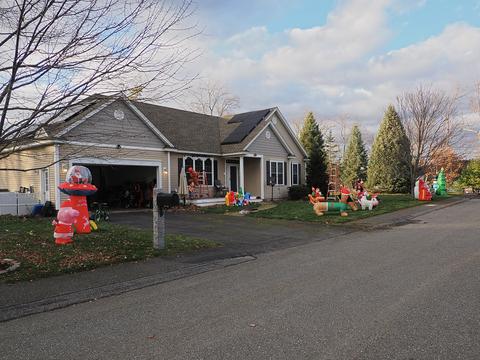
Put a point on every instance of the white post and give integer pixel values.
(262, 178)
(169, 173)
(56, 159)
(158, 223)
(242, 174)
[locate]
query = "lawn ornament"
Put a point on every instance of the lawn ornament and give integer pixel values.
(435, 187)
(346, 202)
(442, 183)
(315, 196)
(78, 186)
(63, 224)
(366, 203)
(230, 199)
(421, 191)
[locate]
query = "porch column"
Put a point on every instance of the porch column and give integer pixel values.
(262, 178)
(242, 174)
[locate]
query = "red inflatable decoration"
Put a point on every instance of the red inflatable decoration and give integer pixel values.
(78, 186)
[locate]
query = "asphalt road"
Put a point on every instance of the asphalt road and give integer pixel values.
(409, 292)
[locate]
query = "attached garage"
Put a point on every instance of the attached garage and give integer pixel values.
(123, 183)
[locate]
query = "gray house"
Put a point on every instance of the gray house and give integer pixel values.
(129, 143)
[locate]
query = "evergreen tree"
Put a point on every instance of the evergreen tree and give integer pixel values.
(355, 161)
(389, 167)
(312, 140)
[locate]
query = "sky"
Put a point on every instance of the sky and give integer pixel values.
(336, 57)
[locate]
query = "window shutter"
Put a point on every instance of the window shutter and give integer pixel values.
(284, 173)
(268, 172)
(299, 177)
(215, 170)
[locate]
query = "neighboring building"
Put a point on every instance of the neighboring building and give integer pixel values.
(127, 142)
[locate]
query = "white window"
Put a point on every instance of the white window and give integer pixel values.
(201, 165)
(295, 173)
(277, 172)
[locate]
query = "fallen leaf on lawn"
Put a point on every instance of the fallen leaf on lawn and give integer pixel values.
(151, 337)
(252, 325)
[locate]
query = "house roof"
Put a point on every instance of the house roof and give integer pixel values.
(245, 123)
(185, 130)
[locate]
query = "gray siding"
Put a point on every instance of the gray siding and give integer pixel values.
(268, 147)
(104, 128)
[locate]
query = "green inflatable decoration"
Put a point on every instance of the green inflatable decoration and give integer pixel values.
(442, 183)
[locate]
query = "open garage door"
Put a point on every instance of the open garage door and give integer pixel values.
(123, 186)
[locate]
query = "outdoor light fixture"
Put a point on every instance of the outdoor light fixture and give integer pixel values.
(165, 171)
(64, 168)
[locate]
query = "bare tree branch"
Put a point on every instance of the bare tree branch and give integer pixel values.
(431, 123)
(54, 53)
(214, 99)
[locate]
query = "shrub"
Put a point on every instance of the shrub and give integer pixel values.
(298, 192)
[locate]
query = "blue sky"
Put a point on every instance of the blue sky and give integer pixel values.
(336, 57)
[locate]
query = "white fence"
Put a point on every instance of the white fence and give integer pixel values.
(17, 203)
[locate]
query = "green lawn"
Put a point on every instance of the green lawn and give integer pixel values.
(31, 242)
(303, 210)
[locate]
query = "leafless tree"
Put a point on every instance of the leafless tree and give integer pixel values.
(431, 124)
(214, 99)
(53, 53)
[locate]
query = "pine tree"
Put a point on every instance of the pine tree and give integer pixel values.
(355, 160)
(390, 159)
(312, 140)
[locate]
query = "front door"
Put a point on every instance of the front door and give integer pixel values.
(44, 185)
(232, 177)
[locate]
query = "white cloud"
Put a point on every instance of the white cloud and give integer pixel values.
(339, 68)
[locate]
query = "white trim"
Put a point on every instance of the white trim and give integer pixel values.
(85, 117)
(283, 174)
(149, 124)
(228, 182)
(242, 173)
(56, 159)
(111, 146)
(169, 173)
(125, 162)
(289, 129)
(203, 159)
(191, 152)
(225, 171)
(235, 154)
(282, 140)
(291, 175)
(262, 177)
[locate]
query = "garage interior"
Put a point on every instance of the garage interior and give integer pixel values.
(122, 186)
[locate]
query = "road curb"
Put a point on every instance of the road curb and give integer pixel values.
(12, 312)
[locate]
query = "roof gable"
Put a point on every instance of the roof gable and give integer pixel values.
(268, 142)
(116, 124)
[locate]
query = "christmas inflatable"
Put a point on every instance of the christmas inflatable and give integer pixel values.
(315, 196)
(421, 191)
(346, 202)
(367, 203)
(63, 224)
(442, 183)
(78, 186)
